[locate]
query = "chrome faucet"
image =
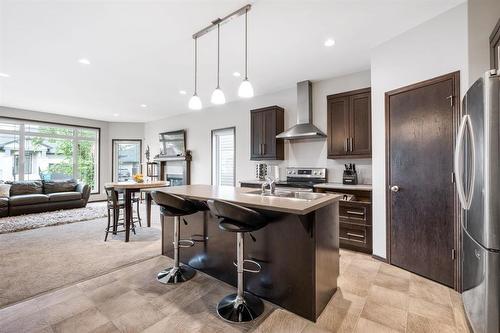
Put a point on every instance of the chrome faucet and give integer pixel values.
(271, 183)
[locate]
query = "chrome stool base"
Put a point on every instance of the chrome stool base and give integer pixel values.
(176, 275)
(240, 309)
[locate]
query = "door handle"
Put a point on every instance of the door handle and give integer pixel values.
(473, 164)
(395, 188)
(465, 200)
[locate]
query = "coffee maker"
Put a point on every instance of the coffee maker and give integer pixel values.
(350, 176)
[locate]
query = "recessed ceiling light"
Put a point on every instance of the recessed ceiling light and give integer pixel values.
(84, 61)
(329, 42)
(182, 92)
(143, 106)
(237, 74)
(4, 75)
(116, 114)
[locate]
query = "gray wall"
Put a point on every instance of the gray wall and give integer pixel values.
(301, 153)
(419, 54)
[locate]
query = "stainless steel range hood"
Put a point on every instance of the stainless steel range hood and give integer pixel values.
(304, 128)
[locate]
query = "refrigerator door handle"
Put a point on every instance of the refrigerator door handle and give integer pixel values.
(473, 164)
(456, 163)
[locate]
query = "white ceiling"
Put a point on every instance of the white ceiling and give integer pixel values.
(141, 51)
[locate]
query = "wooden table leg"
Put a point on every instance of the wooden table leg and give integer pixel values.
(148, 209)
(128, 213)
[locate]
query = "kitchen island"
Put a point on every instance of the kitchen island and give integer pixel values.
(298, 249)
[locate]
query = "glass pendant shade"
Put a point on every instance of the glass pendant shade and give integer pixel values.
(218, 97)
(195, 102)
(246, 89)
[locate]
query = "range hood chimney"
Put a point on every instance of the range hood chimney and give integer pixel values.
(304, 128)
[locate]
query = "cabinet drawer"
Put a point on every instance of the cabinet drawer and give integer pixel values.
(353, 213)
(356, 237)
(353, 233)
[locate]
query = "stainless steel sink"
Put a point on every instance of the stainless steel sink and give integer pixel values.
(307, 196)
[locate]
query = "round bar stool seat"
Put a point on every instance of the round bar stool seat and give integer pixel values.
(241, 306)
(176, 206)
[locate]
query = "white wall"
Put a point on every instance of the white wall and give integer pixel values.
(482, 17)
(109, 131)
(304, 153)
(434, 48)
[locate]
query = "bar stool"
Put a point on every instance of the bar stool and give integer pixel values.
(176, 206)
(241, 306)
(115, 204)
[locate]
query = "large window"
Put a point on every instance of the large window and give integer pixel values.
(223, 142)
(43, 151)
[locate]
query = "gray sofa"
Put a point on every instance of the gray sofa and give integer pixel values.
(38, 196)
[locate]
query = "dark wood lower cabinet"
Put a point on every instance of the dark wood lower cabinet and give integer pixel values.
(298, 254)
(355, 220)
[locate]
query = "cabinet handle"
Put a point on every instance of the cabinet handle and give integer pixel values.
(260, 148)
(354, 213)
(263, 148)
(350, 144)
(346, 145)
(355, 235)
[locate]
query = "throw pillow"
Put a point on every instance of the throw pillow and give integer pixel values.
(4, 190)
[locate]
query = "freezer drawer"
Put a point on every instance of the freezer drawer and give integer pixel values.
(481, 286)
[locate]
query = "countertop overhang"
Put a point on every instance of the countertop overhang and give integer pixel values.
(239, 195)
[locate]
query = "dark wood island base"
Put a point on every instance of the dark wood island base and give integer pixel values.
(299, 255)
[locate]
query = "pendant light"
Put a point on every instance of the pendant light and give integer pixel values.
(195, 101)
(218, 97)
(246, 90)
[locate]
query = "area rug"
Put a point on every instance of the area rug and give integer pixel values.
(34, 221)
(39, 260)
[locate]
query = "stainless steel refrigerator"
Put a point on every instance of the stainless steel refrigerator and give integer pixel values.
(477, 172)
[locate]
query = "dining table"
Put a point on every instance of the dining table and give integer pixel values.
(128, 188)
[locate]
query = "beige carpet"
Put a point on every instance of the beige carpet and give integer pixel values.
(36, 261)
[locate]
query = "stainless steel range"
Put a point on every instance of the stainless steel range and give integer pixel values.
(303, 178)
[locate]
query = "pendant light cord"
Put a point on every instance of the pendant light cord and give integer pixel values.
(246, 44)
(218, 54)
(195, 64)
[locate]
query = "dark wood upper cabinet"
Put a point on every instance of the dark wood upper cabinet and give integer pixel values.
(265, 124)
(495, 47)
(349, 124)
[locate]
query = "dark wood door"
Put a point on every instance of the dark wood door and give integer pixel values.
(257, 135)
(269, 134)
(266, 123)
(421, 210)
(360, 124)
(495, 46)
(338, 126)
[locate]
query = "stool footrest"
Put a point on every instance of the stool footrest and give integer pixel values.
(259, 267)
(199, 238)
(185, 243)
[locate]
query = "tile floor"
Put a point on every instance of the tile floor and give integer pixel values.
(373, 297)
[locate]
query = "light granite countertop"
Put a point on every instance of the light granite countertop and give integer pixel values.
(340, 186)
(326, 186)
(240, 195)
